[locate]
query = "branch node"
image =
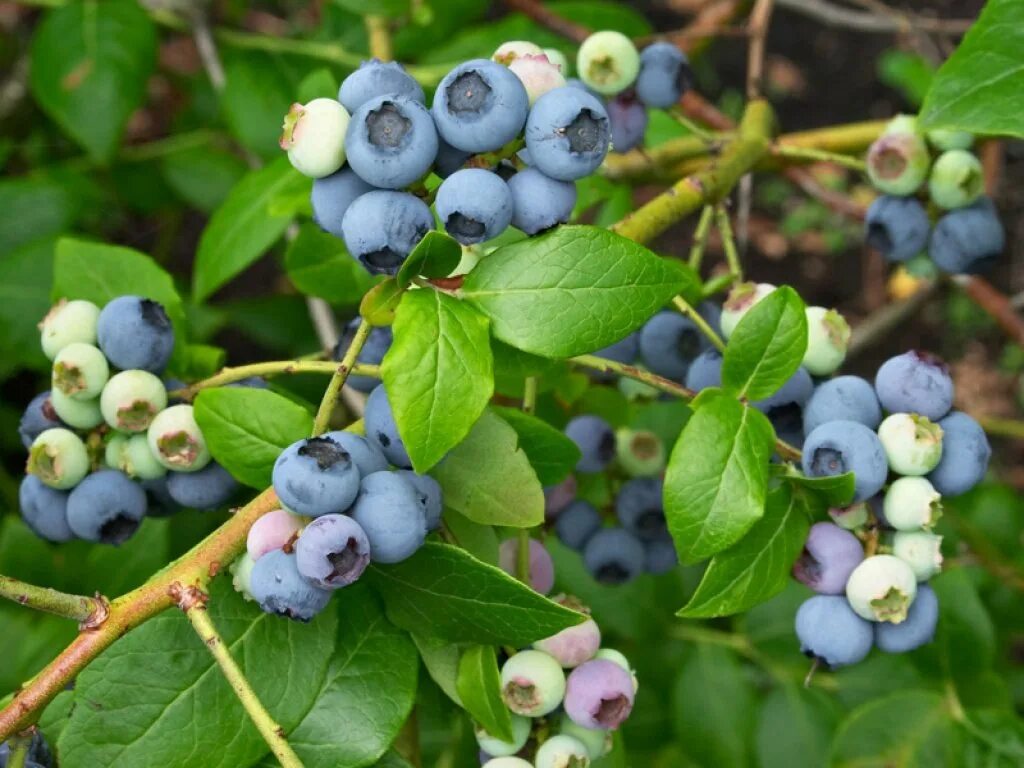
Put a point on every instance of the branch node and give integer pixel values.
(187, 597)
(99, 615)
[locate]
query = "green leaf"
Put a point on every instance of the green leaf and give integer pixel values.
(202, 176)
(254, 215)
(481, 541)
(90, 64)
(445, 592)
(572, 290)
(756, 567)
(978, 88)
(794, 723)
(998, 739)
(909, 729)
(479, 687)
(388, 8)
(392, 759)
(551, 453)
(318, 265)
(25, 278)
(909, 73)
(441, 659)
(318, 84)
(246, 429)
(379, 304)
(717, 476)
(767, 346)
(835, 491)
(488, 477)
(158, 691)
(257, 94)
(438, 373)
(34, 208)
(56, 716)
(436, 255)
(966, 638)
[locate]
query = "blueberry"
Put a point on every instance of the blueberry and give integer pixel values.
(665, 75)
(741, 299)
(511, 50)
(132, 455)
(595, 439)
(507, 762)
(132, 399)
(313, 135)
(315, 476)
(80, 414)
(829, 631)
(660, 554)
(628, 120)
(332, 552)
(449, 159)
(428, 490)
(916, 630)
(577, 523)
(639, 508)
(241, 575)
(278, 587)
(851, 517)
(331, 197)
(705, 371)
(176, 440)
(881, 588)
(614, 556)
(556, 57)
(558, 497)
(391, 142)
(135, 332)
(624, 351)
(532, 683)
(37, 755)
(382, 227)
(390, 511)
(38, 417)
(669, 343)
(897, 163)
(480, 106)
(965, 455)
(945, 139)
(542, 568)
(640, 452)
(537, 74)
(912, 503)
(828, 336)
(921, 550)
(209, 488)
(956, 179)
(365, 455)
(66, 323)
(106, 507)
(967, 240)
(158, 499)
(382, 430)
(573, 645)
(785, 408)
(567, 133)
(848, 398)
(829, 556)
(837, 447)
(540, 202)
(59, 459)
(373, 351)
(599, 694)
(915, 382)
(912, 443)
(598, 742)
(897, 227)
(608, 62)
(492, 745)
(274, 530)
(79, 371)
(561, 750)
(375, 78)
(474, 205)
(44, 510)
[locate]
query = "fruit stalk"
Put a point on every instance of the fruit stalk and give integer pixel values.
(341, 372)
(684, 306)
(274, 368)
(89, 611)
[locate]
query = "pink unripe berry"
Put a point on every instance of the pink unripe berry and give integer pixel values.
(272, 531)
(537, 74)
(542, 568)
(599, 694)
(573, 645)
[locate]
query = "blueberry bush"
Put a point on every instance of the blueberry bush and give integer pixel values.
(421, 383)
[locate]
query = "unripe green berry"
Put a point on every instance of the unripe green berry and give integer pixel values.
(507, 762)
(314, 137)
(80, 414)
(828, 337)
(532, 683)
(901, 124)
(912, 443)
(137, 460)
(921, 550)
(494, 746)
(241, 575)
(562, 751)
(851, 517)
(132, 399)
(881, 588)
(511, 50)
(634, 389)
(619, 658)
(741, 299)
(912, 503)
(956, 180)
(557, 58)
(598, 742)
(944, 139)
(66, 323)
(898, 163)
(176, 440)
(608, 62)
(58, 457)
(641, 452)
(113, 453)
(80, 371)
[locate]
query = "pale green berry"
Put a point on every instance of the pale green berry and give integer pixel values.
(132, 399)
(945, 139)
(641, 452)
(921, 550)
(881, 588)
(80, 371)
(897, 163)
(562, 751)
(507, 762)
(828, 337)
(314, 137)
(901, 124)
(608, 62)
(80, 414)
(851, 517)
(956, 180)
(495, 747)
(66, 323)
(113, 453)
(557, 58)
(637, 390)
(137, 460)
(58, 457)
(741, 299)
(532, 683)
(912, 443)
(241, 575)
(176, 440)
(598, 742)
(511, 50)
(912, 503)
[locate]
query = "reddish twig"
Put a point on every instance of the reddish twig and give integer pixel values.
(995, 303)
(548, 18)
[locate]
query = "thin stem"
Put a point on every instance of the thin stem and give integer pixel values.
(90, 611)
(732, 257)
(1003, 427)
(271, 732)
(818, 155)
(700, 132)
(274, 368)
(684, 306)
(348, 362)
(18, 756)
(530, 395)
(700, 236)
(380, 37)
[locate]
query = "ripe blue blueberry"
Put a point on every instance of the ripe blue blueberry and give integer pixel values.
(158, 499)
(428, 490)
(705, 371)
(784, 408)
(849, 398)
(561, 750)
(449, 159)
(58, 457)
(881, 588)
(209, 488)
(132, 399)
(540, 202)
(391, 142)
(599, 694)
(68, 322)
(608, 62)
(921, 550)
(915, 382)
(965, 455)
(669, 343)
(638, 507)
(382, 227)
(628, 120)
(332, 552)
(79, 371)
(837, 447)
(829, 631)
(135, 332)
(365, 455)
(665, 75)
(107, 506)
(390, 512)
(480, 106)
(577, 523)
(278, 587)
(918, 628)
(474, 205)
(623, 351)
(315, 476)
(542, 567)
(559, 496)
(912, 443)
(177, 441)
(532, 683)
(595, 439)
(660, 554)
(829, 556)
(375, 78)
(967, 240)
(573, 645)
(38, 417)
(331, 197)
(897, 227)
(44, 510)
(567, 133)
(614, 556)
(382, 430)
(373, 351)
(494, 746)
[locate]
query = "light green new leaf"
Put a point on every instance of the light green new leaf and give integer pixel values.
(318, 264)
(479, 687)
(552, 454)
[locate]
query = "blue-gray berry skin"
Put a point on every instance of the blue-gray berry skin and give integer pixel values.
(331, 197)
(669, 343)
(332, 551)
(837, 447)
(965, 455)
(784, 408)
(382, 430)
(378, 78)
(568, 133)
(540, 202)
(829, 556)
(209, 488)
(914, 631)
(831, 632)
(391, 142)
(430, 496)
(107, 506)
(38, 754)
(367, 457)
(376, 346)
(38, 417)
(278, 587)
(705, 371)
(660, 555)
(382, 227)
(614, 556)
(480, 106)
(577, 523)
(845, 397)
(158, 499)
(665, 75)
(44, 510)
(474, 205)
(449, 159)
(627, 118)
(915, 382)
(639, 508)
(967, 240)
(897, 227)
(595, 439)
(135, 332)
(315, 476)
(390, 511)
(624, 351)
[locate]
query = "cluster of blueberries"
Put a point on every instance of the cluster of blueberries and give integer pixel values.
(37, 754)
(343, 506)
(967, 235)
(105, 446)
(508, 137)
